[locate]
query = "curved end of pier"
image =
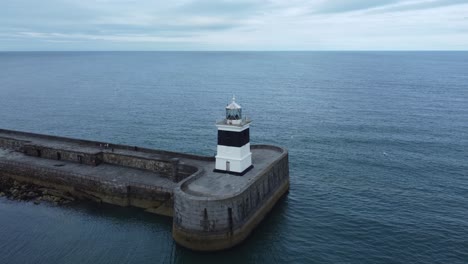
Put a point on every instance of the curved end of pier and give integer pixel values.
(216, 211)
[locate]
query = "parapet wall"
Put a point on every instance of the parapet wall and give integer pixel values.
(165, 163)
(212, 223)
(88, 158)
(165, 153)
(167, 168)
(13, 144)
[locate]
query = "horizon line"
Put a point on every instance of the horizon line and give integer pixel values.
(330, 50)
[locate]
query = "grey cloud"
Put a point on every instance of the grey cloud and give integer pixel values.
(168, 29)
(339, 6)
(221, 7)
(87, 18)
(202, 24)
(44, 15)
(45, 10)
(420, 6)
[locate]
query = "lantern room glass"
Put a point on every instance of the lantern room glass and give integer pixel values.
(234, 114)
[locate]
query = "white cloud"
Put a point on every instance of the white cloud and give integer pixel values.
(64, 37)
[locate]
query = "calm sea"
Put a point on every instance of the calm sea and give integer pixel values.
(378, 150)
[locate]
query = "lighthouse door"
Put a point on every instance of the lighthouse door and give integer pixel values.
(228, 165)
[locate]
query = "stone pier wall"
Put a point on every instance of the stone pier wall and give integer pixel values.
(204, 223)
(93, 158)
(167, 168)
(86, 186)
(13, 144)
(90, 143)
(167, 165)
(201, 221)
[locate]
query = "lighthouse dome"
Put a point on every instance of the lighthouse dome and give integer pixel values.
(233, 110)
(233, 105)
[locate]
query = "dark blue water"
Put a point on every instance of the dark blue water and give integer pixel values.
(378, 150)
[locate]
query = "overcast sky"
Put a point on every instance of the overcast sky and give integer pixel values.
(234, 25)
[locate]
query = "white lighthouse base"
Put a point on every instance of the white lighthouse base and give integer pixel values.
(233, 159)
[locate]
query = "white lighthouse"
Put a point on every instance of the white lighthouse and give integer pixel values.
(233, 152)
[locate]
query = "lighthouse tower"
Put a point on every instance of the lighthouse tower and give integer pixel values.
(233, 152)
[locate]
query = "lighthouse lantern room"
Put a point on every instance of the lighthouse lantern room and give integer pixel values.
(233, 151)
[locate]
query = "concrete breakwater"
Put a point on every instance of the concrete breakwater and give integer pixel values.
(211, 210)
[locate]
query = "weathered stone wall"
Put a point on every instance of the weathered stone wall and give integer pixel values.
(166, 166)
(62, 178)
(164, 153)
(121, 193)
(92, 159)
(203, 217)
(13, 144)
(184, 171)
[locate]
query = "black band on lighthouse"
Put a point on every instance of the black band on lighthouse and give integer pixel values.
(233, 139)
